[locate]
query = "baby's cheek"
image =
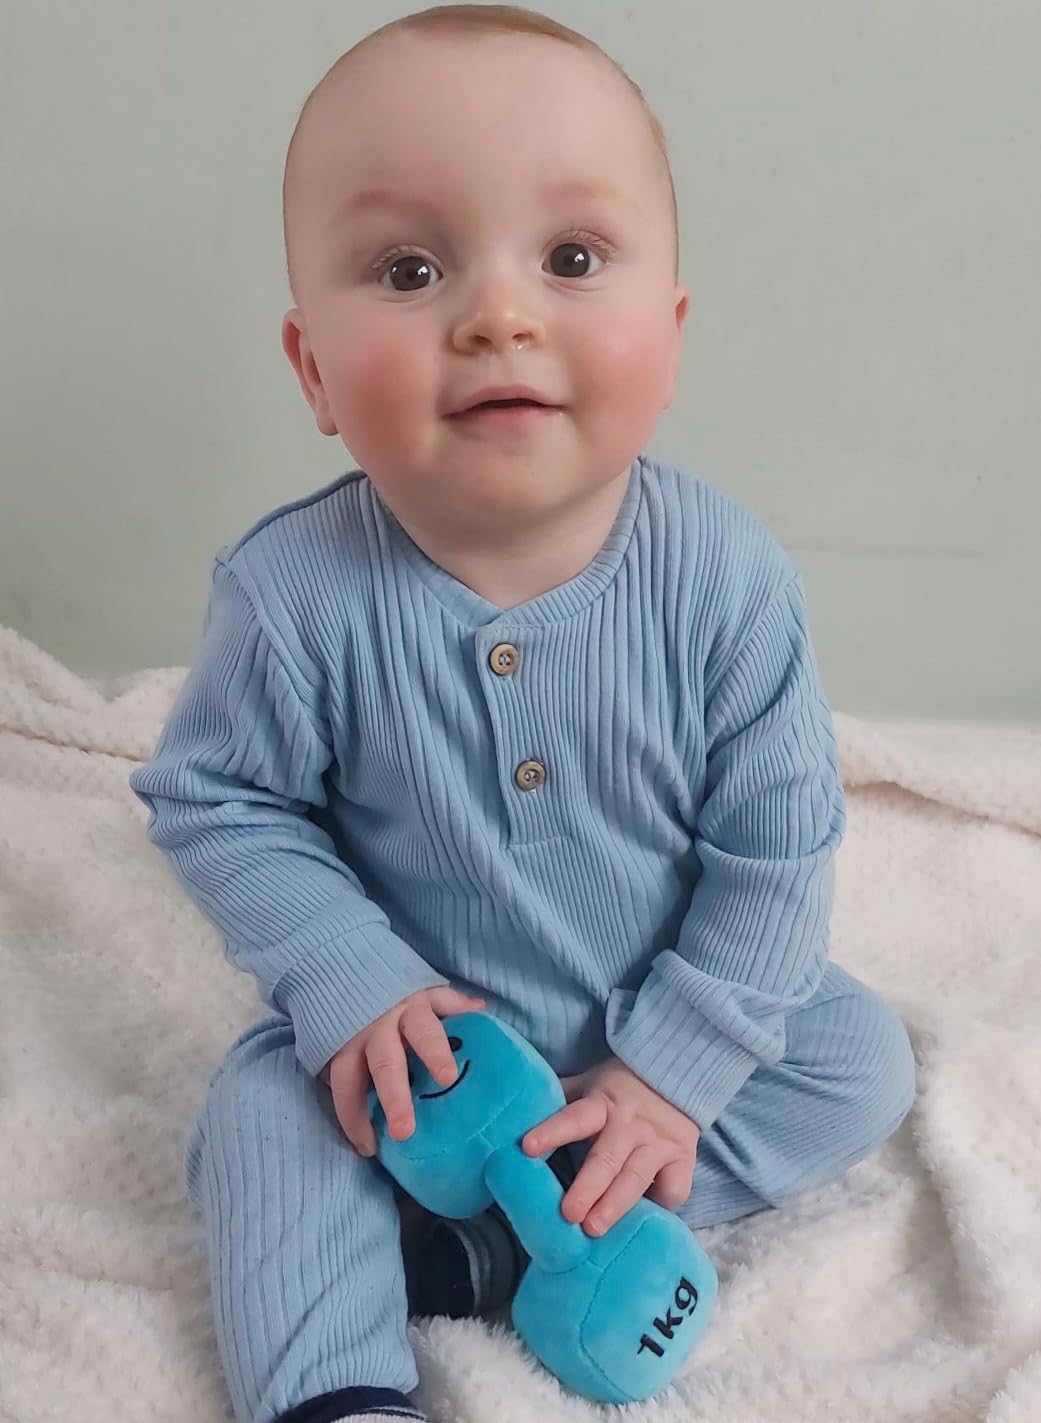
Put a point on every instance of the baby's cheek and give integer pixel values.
(628, 371)
(380, 399)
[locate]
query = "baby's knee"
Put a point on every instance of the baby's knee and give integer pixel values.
(883, 1090)
(232, 1108)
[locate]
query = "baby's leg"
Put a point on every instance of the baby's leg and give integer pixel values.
(845, 1083)
(304, 1243)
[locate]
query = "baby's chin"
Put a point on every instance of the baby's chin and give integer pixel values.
(481, 485)
(497, 493)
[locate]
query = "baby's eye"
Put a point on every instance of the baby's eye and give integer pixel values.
(409, 273)
(573, 259)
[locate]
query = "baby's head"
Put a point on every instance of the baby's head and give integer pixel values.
(523, 234)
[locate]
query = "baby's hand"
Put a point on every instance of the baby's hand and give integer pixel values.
(378, 1052)
(644, 1145)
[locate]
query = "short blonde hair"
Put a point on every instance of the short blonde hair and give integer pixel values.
(474, 20)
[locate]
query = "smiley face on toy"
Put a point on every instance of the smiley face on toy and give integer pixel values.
(455, 1044)
(502, 1087)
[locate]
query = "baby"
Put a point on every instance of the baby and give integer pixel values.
(511, 716)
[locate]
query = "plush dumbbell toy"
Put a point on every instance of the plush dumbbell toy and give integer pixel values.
(614, 1316)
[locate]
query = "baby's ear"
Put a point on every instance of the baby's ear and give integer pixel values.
(298, 349)
(682, 307)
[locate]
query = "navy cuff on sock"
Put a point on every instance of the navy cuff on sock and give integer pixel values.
(347, 1401)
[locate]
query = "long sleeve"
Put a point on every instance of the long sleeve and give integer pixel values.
(237, 768)
(754, 942)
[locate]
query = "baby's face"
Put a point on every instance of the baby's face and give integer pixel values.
(521, 234)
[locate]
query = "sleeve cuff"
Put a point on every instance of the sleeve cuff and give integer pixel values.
(696, 1057)
(344, 984)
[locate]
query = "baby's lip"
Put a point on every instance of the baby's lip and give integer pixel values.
(504, 392)
(444, 1092)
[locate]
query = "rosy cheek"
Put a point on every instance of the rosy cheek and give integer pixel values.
(382, 391)
(627, 368)
(378, 392)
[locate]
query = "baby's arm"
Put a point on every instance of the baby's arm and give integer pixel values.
(238, 765)
(754, 942)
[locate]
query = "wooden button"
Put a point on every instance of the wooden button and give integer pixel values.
(529, 775)
(504, 659)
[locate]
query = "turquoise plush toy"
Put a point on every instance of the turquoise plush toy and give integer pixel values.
(612, 1316)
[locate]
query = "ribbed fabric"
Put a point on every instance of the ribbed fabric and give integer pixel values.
(336, 786)
(336, 789)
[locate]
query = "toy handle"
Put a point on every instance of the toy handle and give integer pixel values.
(530, 1194)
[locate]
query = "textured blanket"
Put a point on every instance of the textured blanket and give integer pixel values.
(910, 1290)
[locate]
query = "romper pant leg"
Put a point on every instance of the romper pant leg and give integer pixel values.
(303, 1235)
(845, 1083)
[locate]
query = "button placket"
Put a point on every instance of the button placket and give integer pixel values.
(524, 766)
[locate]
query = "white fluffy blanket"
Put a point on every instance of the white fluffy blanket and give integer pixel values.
(910, 1290)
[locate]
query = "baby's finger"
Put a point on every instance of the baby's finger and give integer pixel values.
(673, 1185)
(624, 1191)
(578, 1121)
(424, 1032)
(388, 1068)
(350, 1092)
(605, 1159)
(445, 1001)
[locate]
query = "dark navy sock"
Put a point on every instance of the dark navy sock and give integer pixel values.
(374, 1403)
(464, 1269)
(467, 1269)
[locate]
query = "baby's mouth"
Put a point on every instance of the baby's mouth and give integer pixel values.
(505, 412)
(506, 405)
(444, 1092)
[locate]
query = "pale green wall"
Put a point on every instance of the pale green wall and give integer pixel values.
(861, 218)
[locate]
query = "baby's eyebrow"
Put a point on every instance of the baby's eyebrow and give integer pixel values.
(369, 199)
(575, 189)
